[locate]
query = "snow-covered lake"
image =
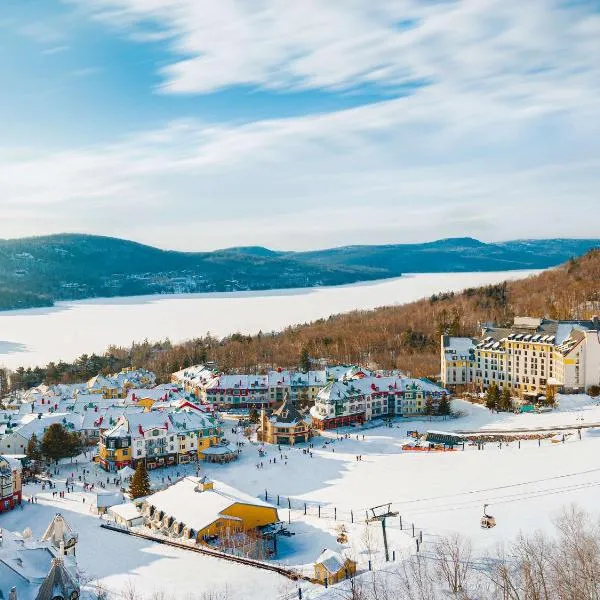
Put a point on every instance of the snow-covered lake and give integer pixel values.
(37, 336)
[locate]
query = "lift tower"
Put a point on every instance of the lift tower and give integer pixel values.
(381, 513)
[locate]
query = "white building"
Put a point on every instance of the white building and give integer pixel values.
(526, 357)
(458, 354)
(349, 401)
(256, 391)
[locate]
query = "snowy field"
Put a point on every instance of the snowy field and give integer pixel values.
(38, 336)
(437, 492)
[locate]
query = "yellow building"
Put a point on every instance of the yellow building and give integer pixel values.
(286, 425)
(213, 514)
(331, 567)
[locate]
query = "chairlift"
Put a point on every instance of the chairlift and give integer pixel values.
(487, 521)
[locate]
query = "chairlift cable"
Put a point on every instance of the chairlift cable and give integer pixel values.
(494, 488)
(511, 498)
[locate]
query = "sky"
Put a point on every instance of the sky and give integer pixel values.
(195, 124)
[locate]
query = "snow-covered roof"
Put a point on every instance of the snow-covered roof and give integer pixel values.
(13, 463)
(101, 381)
(108, 499)
(339, 390)
(32, 424)
(196, 508)
(126, 471)
(331, 560)
(527, 322)
(563, 331)
(241, 382)
(127, 511)
(136, 424)
(278, 378)
(310, 378)
(218, 450)
(195, 375)
(458, 345)
(286, 414)
(108, 417)
(59, 583)
(137, 394)
(27, 564)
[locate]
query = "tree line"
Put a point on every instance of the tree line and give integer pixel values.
(405, 337)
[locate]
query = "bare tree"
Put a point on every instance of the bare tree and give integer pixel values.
(538, 567)
(453, 563)
(415, 579)
(370, 540)
(130, 592)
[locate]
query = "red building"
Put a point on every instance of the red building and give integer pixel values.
(10, 483)
(341, 421)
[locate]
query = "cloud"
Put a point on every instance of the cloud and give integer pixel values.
(501, 141)
(55, 50)
(393, 171)
(503, 47)
(42, 33)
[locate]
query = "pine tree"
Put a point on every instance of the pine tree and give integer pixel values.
(444, 408)
(305, 360)
(74, 447)
(33, 451)
(57, 443)
(429, 407)
(506, 400)
(492, 398)
(140, 482)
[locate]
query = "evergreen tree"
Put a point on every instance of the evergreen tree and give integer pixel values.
(429, 407)
(140, 482)
(444, 408)
(305, 360)
(492, 398)
(74, 446)
(254, 417)
(506, 400)
(57, 442)
(33, 451)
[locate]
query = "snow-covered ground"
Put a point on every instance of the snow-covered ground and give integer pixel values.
(438, 492)
(40, 335)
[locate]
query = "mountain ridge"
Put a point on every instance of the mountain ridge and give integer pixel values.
(37, 271)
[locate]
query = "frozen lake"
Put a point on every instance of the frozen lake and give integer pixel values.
(37, 336)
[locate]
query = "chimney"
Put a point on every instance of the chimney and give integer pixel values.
(204, 484)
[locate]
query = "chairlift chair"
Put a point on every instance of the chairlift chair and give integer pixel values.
(487, 521)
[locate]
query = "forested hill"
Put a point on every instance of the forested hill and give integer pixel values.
(405, 337)
(38, 271)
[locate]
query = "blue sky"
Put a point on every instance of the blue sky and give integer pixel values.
(192, 124)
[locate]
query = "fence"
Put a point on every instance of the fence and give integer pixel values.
(286, 572)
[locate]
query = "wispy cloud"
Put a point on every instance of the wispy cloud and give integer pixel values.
(392, 171)
(501, 136)
(55, 50)
(503, 47)
(42, 33)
